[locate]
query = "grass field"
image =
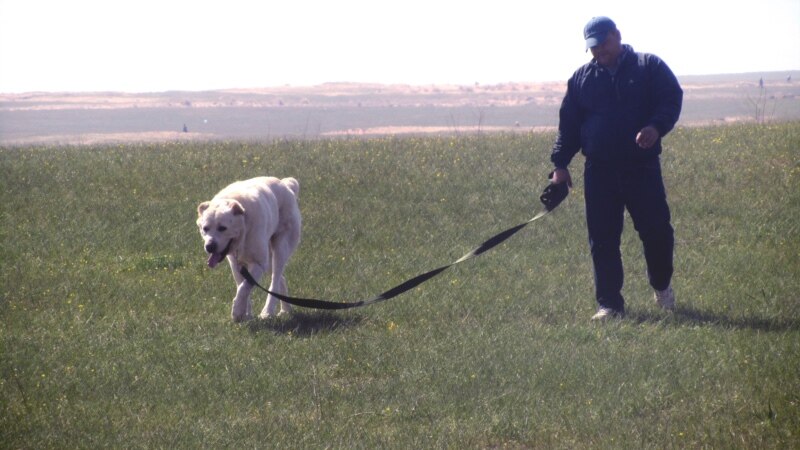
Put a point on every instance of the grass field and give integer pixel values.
(115, 334)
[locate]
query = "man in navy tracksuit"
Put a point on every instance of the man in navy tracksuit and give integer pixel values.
(616, 110)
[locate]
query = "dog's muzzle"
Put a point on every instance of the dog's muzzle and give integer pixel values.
(215, 257)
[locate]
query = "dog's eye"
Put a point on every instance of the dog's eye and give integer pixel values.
(222, 228)
(205, 229)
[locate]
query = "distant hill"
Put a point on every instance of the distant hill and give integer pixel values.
(750, 77)
(337, 109)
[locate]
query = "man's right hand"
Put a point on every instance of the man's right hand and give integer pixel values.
(561, 176)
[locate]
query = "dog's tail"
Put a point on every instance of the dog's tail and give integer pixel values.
(293, 185)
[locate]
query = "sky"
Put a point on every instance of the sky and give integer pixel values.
(160, 45)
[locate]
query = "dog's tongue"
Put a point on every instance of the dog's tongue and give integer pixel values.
(214, 259)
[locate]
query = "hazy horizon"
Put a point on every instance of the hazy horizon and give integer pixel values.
(777, 75)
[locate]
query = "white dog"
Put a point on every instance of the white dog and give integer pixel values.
(256, 224)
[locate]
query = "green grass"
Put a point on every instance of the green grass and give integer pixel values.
(115, 334)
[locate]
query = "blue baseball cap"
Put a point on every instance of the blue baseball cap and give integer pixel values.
(596, 30)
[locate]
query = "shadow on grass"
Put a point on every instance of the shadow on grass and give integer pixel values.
(687, 315)
(306, 324)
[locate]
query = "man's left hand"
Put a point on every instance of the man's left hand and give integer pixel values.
(647, 137)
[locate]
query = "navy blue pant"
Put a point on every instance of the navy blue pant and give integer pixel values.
(639, 188)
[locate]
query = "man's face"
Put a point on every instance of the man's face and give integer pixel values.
(606, 54)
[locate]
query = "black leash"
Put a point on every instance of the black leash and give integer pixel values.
(552, 196)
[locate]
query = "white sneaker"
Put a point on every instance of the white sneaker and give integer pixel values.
(606, 313)
(665, 299)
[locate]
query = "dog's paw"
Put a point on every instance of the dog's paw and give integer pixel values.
(238, 318)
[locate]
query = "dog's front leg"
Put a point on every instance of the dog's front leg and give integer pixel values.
(282, 248)
(272, 302)
(270, 307)
(242, 307)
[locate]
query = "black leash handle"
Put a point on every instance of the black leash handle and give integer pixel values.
(402, 287)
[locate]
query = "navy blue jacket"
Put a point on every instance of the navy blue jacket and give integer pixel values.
(601, 114)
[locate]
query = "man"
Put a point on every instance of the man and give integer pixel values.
(616, 110)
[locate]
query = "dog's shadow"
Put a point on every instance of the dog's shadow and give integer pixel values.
(306, 324)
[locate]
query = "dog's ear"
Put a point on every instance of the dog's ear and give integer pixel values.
(236, 207)
(202, 207)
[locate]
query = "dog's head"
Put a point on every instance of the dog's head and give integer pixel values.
(221, 224)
